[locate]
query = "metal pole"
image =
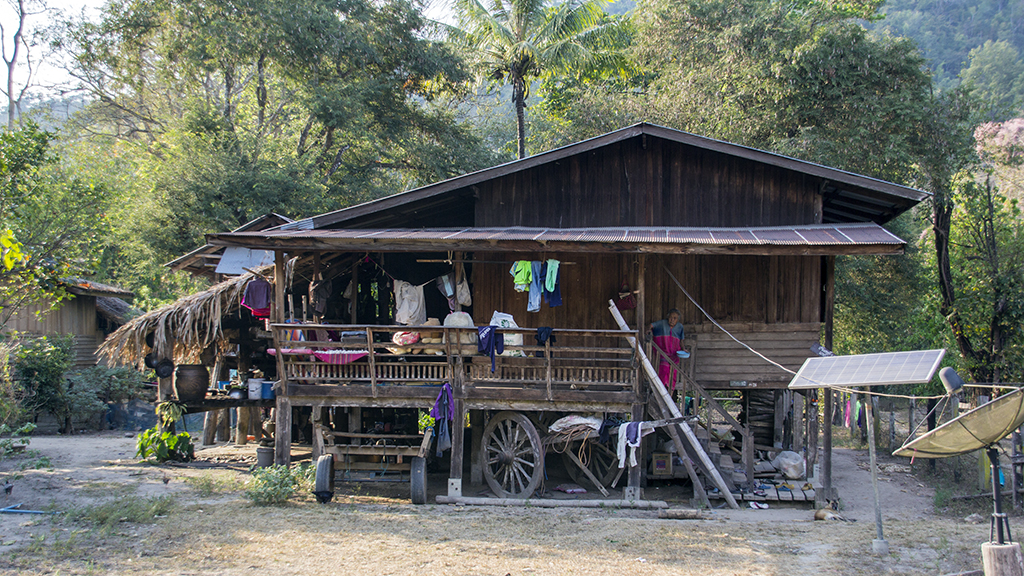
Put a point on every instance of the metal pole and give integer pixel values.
(1000, 524)
(879, 545)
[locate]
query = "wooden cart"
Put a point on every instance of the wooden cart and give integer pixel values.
(384, 453)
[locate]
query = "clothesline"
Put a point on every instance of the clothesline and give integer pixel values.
(506, 262)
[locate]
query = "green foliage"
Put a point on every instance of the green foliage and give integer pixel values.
(14, 440)
(517, 42)
(228, 110)
(274, 485)
(53, 218)
(118, 384)
(39, 368)
(12, 393)
(164, 446)
(948, 31)
(996, 74)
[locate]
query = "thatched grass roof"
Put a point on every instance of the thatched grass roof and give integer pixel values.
(192, 323)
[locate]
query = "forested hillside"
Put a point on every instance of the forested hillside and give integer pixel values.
(947, 31)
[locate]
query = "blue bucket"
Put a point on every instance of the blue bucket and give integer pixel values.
(268, 390)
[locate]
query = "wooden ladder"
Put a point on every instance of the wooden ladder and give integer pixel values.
(681, 429)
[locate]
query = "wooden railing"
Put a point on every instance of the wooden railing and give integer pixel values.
(579, 360)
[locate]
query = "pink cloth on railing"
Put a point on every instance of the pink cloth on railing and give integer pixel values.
(328, 356)
(338, 356)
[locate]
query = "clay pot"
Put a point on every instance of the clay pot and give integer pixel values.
(191, 382)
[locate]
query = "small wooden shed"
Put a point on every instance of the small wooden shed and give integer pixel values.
(94, 311)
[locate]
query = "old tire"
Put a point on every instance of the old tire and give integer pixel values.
(324, 474)
(418, 480)
(512, 455)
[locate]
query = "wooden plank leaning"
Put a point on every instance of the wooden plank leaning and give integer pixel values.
(670, 409)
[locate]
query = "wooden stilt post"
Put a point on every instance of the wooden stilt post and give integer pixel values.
(210, 427)
(828, 310)
(224, 425)
(476, 465)
(634, 490)
(318, 438)
(283, 412)
(458, 436)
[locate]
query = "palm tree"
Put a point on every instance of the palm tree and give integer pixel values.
(516, 41)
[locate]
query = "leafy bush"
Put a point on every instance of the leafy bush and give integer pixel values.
(39, 367)
(274, 485)
(11, 394)
(110, 384)
(16, 441)
(164, 446)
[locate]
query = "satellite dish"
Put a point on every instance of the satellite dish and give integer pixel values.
(951, 380)
(974, 430)
(978, 429)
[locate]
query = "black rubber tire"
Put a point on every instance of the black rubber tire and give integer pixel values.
(418, 480)
(512, 455)
(324, 474)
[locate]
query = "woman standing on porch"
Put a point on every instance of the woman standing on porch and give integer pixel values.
(668, 336)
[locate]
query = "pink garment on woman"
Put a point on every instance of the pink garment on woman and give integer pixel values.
(670, 340)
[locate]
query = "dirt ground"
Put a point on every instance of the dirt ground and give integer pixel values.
(206, 526)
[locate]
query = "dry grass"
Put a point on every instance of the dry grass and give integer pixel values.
(373, 535)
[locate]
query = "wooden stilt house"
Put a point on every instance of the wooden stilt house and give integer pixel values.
(718, 231)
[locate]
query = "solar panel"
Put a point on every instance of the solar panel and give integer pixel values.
(869, 369)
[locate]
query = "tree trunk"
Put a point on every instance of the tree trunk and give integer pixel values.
(942, 213)
(519, 99)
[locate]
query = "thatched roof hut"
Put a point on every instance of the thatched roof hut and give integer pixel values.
(192, 323)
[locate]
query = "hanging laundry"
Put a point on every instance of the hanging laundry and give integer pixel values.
(543, 335)
(319, 293)
(462, 288)
(536, 287)
(443, 412)
(410, 308)
(552, 291)
(521, 275)
(446, 284)
(551, 275)
(257, 297)
(490, 342)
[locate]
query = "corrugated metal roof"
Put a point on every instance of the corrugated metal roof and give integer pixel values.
(637, 238)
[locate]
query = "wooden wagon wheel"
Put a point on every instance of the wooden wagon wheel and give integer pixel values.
(513, 456)
(603, 464)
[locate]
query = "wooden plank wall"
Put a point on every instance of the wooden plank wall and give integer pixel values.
(770, 302)
(666, 184)
(76, 316)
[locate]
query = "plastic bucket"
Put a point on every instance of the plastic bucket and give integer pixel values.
(264, 457)
(255, 388)
(268, 390)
